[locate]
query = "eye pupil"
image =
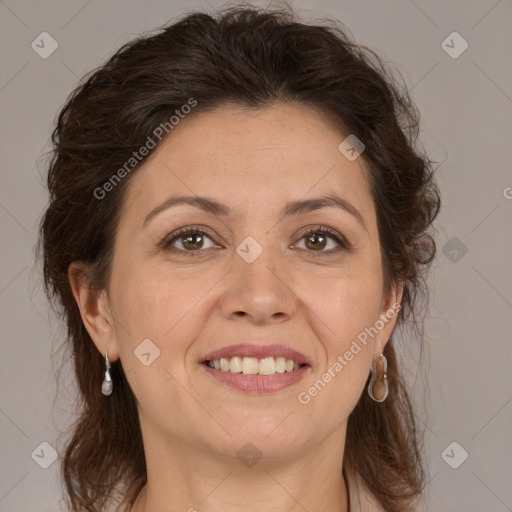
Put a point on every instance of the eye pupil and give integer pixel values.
(187, 240)
(314, 244)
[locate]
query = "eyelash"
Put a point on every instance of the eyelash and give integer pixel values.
(166, 243)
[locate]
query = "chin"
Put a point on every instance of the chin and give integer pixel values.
(267, 441)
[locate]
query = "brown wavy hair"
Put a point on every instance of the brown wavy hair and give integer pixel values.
(249, 57)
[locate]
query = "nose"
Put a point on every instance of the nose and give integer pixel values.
(260, 292)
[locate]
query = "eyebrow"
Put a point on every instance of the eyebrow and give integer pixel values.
(212, 206)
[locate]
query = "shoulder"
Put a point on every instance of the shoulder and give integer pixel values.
(361, 498)
(369, 502)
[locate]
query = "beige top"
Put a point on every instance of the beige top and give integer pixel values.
(361, 499)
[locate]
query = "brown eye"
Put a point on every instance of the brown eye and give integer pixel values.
(193, 241)
(187, 240)
(317, 240)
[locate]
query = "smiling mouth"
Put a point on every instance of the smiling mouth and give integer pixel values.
(255, 366)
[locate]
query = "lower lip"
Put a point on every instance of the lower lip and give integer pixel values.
(258, 384)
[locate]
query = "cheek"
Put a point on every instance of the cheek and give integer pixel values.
(155, 304)
(169, 312)
(344, 315)
(346, 306)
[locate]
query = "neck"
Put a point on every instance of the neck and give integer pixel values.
(192, 478)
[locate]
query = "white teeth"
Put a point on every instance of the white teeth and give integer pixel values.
(224, 365)
(235, 366)
(250, 366)
(280, 364)
(267, 366)
(254, 366)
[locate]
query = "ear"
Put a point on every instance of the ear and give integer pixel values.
(391, 306)
(94, 310)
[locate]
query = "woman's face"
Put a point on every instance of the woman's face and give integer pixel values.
(254, 276)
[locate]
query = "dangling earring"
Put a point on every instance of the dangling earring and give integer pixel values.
(383, 393)
(106, 386)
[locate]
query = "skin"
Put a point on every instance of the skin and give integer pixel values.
(192, 425)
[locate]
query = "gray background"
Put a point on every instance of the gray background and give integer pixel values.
(466, 107)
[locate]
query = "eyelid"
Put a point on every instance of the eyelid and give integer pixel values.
(333, 233)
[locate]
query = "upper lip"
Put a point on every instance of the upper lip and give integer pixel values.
(257, 351)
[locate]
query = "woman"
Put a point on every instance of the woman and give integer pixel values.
(238, 220)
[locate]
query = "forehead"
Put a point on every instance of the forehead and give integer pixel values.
(272, 155)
